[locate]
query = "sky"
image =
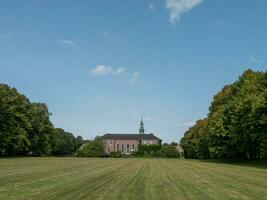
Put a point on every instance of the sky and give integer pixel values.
(100, 64)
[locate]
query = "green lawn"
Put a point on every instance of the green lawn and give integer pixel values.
(82, 178)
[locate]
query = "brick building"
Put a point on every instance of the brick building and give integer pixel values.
(129, 143)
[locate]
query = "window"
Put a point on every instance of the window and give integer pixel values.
(118, 147)
(128, 148)
(110, 142)
(122, 148)
(144, 142)
(133, 148)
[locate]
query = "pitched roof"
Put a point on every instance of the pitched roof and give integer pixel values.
(130, 136)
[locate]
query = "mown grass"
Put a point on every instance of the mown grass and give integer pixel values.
(82, 178)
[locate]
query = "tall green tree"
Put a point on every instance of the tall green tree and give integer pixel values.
(14, 122)
(236, 124)
(41, 131)
(195, 140)
(62, 143)
(26, 129)
(94, 148)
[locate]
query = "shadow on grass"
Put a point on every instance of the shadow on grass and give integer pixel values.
(260, 164)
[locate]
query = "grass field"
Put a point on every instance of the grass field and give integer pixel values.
(78, 178)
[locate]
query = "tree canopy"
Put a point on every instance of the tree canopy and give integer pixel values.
(26, 129)
(236, 125)
(94, 148)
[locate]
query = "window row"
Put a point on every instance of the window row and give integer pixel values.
(127, 148)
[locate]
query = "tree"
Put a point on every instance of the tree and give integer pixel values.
(241, 132)
(14, 122)
(25, 128)
(195, 141)
(168, 151)
(174, 144)
(147, 150)
(63, 143)
(236, 124)
(94, 148)
(78, 142)
(41, 129)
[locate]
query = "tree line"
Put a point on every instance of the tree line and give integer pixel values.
(236, 125)
(26, 129)
(96, 148)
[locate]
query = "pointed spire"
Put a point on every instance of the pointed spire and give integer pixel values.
(142, 130)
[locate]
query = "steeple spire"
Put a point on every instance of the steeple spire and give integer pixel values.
(141, 130)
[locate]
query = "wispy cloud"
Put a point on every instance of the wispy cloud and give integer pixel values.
(179, 7)
(104, 70)
(186, 124)
(119, 70)
(253, 59)
(101, 70)
(151, 6)
(216, 23)
(68, 43)
(135, 77)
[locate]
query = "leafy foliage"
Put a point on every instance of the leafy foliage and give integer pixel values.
(94, 148)
(168, 151)
(164, 151)
(26, 129)
(194, 141)
(236, 124)
(148, 150)
(116, 154)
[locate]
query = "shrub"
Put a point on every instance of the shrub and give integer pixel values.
(93, 148)
(115, 154)
(147, 150)
(168, 151)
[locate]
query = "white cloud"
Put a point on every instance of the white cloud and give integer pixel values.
(135, 77)
(104, 70)
(68, 43)
(253, 59)
(151, 6)
(101, 70)
(186, 124)
(119, 70)
(178, 7)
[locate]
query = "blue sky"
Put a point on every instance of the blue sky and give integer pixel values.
(99, 64)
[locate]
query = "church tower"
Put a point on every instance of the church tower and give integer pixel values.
(141, 130)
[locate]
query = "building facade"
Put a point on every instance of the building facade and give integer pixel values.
(128, 143)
